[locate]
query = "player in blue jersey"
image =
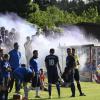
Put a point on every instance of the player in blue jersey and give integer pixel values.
(14, 61)
(34, 67)
(6, 73)
(1, 59)
(15, 56)
(23, 75)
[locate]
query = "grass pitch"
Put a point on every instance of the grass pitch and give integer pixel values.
(92, 91)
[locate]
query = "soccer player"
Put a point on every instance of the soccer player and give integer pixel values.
(34, 67)
(6, 69)
(1, 59)
(23, 75)
(52, 65)
(70, 64)
(76, 74)
(14, 61)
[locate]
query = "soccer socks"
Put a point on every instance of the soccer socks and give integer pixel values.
(0, 95)
(73, 89)
(58, 89)
(4, 95)
(79, 87)
(49, 89)
(26, 91)
(37, 91)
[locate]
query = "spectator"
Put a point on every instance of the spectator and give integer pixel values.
(42, 80)
(28, 48)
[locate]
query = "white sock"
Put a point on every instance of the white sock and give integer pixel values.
(26, 91)
(37, 91)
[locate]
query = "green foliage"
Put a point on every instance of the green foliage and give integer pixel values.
(64, 12)
(90, 15)
(50, 17)
(34, 8)
(53, 16)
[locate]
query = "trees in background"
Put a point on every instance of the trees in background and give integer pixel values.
(53, 13)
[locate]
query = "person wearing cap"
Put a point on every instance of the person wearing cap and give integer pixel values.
(52, 66)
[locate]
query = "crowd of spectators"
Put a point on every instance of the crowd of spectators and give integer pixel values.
(7, 38)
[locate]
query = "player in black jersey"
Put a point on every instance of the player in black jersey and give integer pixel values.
(70, 64)
(52, 65)
(73, 73)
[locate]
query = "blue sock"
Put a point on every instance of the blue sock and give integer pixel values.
(58, 88)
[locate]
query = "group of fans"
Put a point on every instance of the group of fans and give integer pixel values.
(7, 38)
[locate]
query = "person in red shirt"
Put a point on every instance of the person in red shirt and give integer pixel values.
(42, 80)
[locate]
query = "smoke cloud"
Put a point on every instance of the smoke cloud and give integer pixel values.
(71, 36)
(23, 29)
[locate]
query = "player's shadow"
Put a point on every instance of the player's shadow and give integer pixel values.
(56, 98)
(35, 99)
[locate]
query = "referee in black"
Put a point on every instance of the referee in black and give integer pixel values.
(52, 65)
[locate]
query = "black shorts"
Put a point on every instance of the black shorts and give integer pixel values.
(53, 76)
(36, 81)
(71, 75)
(76, 75)
(1, 80)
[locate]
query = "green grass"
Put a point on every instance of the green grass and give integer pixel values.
(92, 91)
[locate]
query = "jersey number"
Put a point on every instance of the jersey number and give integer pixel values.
(51, 62)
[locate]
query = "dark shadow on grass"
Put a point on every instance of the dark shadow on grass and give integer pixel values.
(56, 98)
(36, 99)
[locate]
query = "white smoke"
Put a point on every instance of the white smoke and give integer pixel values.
(71, 36)
(23, 28)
